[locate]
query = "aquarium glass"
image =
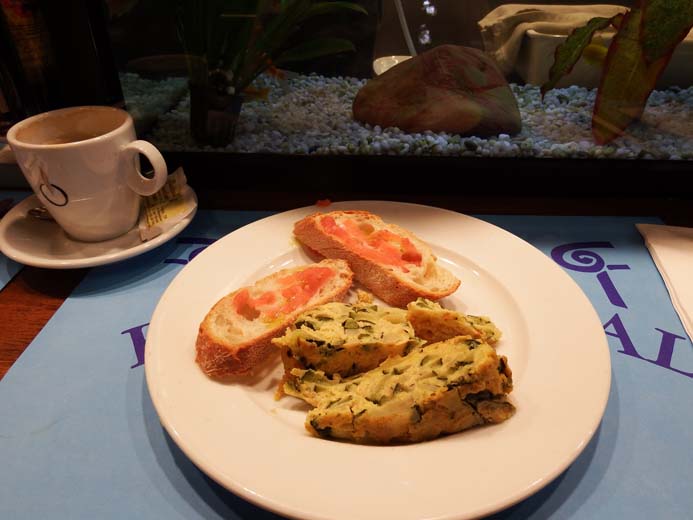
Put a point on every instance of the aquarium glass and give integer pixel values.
(282, 77)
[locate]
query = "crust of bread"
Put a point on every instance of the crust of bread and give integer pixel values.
(392, 287)
(221, 357)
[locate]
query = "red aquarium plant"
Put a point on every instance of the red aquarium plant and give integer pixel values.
(646, 37)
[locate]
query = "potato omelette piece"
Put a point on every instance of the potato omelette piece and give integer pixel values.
(433, 323)
(441, 388)
(346, 339)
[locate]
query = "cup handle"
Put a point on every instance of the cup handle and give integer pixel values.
(134, 178)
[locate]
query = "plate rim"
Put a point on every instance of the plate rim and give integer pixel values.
(121, 254)
(271, 505)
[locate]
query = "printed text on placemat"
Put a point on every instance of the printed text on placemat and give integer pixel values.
(582, 259)
(138, 333)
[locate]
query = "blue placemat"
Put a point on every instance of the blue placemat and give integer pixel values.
(79, 437)
(8, 268)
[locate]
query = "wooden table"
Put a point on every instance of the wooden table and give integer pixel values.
(34, 295)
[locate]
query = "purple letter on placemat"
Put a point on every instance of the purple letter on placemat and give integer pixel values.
(138, 340)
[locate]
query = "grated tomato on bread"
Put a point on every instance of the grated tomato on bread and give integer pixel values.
(235, 335)
(392, 262)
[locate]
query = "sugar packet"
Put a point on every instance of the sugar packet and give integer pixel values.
(166, 207)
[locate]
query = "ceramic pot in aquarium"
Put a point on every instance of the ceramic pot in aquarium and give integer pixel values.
(213, 115)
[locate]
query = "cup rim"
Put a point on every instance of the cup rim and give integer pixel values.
(12, 139)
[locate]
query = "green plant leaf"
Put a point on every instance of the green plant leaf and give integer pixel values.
(212, 44)
(315, 49)
(665, 24)
(627, 81)
(281, 26)
(247, 36)
(262, 50)
(203, 29)
(569, 52)
(238, 25)
(331, 7)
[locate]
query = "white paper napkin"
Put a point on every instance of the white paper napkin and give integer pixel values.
(671, 249)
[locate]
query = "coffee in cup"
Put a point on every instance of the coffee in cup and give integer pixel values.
(83, 165)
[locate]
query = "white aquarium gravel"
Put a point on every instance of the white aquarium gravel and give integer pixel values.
(146, 99)
(312, 115)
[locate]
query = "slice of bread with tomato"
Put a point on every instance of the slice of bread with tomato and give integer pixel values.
(389, 260)
(235, 335)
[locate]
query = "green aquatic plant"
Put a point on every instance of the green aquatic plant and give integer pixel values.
(646, 37)
(229, 43)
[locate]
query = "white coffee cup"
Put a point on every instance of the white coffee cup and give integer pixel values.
(83, 165)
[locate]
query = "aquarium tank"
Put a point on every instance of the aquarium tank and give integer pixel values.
(473, 85)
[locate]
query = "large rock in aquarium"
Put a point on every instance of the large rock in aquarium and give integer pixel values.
(449, 88)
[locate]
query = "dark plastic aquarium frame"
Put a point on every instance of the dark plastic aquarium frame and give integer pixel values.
(404, 176)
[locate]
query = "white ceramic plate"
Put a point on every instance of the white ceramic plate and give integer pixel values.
(258, 448)
(43, 243)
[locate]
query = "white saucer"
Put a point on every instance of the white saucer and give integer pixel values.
(42, 243)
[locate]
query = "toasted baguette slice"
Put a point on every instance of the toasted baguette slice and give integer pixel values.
(433, 323)
(441, 388)
(236, 334)
(392, 262)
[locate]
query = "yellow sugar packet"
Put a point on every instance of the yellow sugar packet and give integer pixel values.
(166, 207)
